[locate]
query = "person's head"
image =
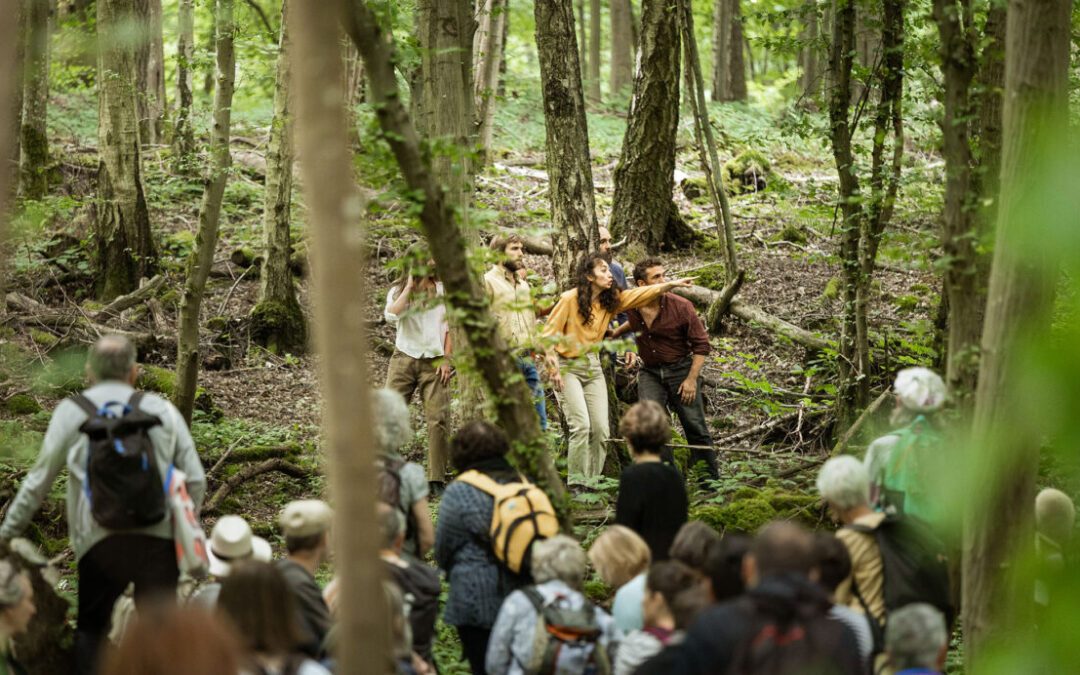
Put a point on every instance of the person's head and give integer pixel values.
(112, 358)
(604, 244)
(418, 264)
(391, 527)
(305, 523)
(916, 637)
(167, 640)
(833, 561)
(649, 272)
(510, 248)
(232, 540)
(258, 601)
(919, 391)
(844, 484)
(687, 604)
(593, 276)
(475, 442)
(646, 428)
(692, 544)
(663, 583)
(1055, 515)
(619, 555)
(559, 557)
(399, 624)
(16, 600)
(724, 566)
(393, 426)
(781, 547)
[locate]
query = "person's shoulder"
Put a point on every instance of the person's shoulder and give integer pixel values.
(678, 300)
(570, 295)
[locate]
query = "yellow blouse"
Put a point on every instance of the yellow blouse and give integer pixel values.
(575, 337)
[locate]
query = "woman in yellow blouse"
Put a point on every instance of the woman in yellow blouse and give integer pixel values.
(577, 323)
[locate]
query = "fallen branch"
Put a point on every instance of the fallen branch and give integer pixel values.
(714, 317)
(233, 455)
(249, 472)
(75, 324)
(854, 428)
(144, 293)
(765, 427)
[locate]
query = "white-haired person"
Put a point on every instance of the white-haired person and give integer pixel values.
(844, 485)
(916, 640)
(903, 465)
(402, 484)
(558, 567)
(1055, 517)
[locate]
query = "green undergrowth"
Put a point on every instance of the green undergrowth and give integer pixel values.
(748, 509)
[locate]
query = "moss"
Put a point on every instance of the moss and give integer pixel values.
(163, 381)
(22, 404)
(43, 338)
(749, 171)
(744, 515)
(696, 189)
(712, 276)
(170, 298)
(793, 233)
(832, 288)
(279, 326)
(218, 323)
(907, 303)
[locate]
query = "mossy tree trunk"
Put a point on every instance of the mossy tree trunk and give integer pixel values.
(184, 134)
(187, 358)
(573, 211)
(487, 60)
(125, 247)
(33, 136)
(277, 322)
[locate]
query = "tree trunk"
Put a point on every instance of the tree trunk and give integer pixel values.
(34, 139)
(341, 295)
(729, 66)
(187, 358)
(737, 64)
(208, 76)
(149, 70)
(487, 61)
(14, 115)
(991, 82)
(583, 40)
(996, 602)
(277, 322)
(573, 212)
(9, 84)
(622, 45)
(184, 135)
(125, 247)
(642, 209)
(810, 80)
(594, 52)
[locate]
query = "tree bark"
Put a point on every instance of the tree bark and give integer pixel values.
(187, 358)
(14, 115)
(184, 135)
(996, 602)
(642, 209)
(729, 66)
(811, 78)
(34, 139)
(594, 52)
(9, 84)
(341, 295)
(125, 248)
(583, 40)
(487, 61)
(622, 46)
(573, 212)
(277, 320)
(150, 71)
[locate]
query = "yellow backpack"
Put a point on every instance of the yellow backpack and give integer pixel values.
(522, 514)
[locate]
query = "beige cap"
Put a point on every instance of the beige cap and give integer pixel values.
(305, 517)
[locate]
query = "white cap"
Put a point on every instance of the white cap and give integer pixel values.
(232, 540)
(920, 389)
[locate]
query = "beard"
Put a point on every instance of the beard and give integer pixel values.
(513, 266)
(606, 255)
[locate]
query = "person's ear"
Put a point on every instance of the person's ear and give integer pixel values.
(133, 375)
(639, 282)
(749, 570)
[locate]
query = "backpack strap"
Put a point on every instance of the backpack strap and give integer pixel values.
(483, 482)
(85, 404)
(534, 597)
(135, 400)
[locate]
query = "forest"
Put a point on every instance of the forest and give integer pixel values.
(853, 187)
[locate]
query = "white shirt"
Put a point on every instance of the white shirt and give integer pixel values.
(421, 328)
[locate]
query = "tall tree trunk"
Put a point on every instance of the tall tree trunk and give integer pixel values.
(10, 160)
(341, 299)
(208, 76)
(9, 84)
(573, 212)
(991, 83)
(125, 247)
(737, 64)
(810, 79)
(622, 45)
(187, 358)
(594, 51)
(277, 322)
(184, 135)
(583, 40)
(642, 208)
(150, 70)
(487, 61)
(996, 603)
(34, 139)
(729, 66)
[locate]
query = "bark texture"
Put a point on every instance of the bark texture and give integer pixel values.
(729, 66)
(33, 136)
(811, 77)
(9, 84)
(125, 248)
(996, 603)
(150, 71)
(621, 65)
(488, 49)
(594, 52)
(573, 211)
(187, 358)
(183, 134)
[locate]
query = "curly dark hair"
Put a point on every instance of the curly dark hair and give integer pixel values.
(609, 299)
(476, 441)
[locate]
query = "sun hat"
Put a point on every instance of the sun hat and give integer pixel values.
(305, 517)
(919, 389)
(232, 540)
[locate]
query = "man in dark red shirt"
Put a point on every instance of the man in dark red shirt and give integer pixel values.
(672, 346)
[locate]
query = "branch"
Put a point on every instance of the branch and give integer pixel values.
(249, 472)
(720, 306)
(145, 292)
(262, 15)
(841, 445)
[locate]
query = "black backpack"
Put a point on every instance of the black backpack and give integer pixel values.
(802, 645)
(123, 484)
(389, 486)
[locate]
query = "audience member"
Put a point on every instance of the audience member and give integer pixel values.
(1055, 516)
(663, 583)
(916, 640)
(603, 247)
(478, 582)
(231, 540)
(652, 497)
(164, 640)
(724, 565)
(402, 484)
(692, 544)
(834, 567)
(305, 525)
(622, 558)
(559, 568)
(16, 609)
(134, 544)
(419, 583)
(256, 598)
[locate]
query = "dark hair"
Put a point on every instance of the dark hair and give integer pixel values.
(833, 560)
(417, 255)
(641, 270)
(167, 640)
(310, 542)
(645, 426)
(609, 298)
(782, 547)
(500, 241)
(723, 566)
(257, 599)
(476, 441)
(686, 605)
(669, 578)
(692, 544)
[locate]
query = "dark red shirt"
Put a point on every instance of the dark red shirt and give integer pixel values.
(676, 332)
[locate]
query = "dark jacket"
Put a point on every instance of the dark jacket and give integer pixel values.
(312, 613)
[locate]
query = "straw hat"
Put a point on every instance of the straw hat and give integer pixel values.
(232, 540)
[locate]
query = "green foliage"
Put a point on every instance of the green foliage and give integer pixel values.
(163, 381)
(749, 171)
(747, 509)
(22, 404)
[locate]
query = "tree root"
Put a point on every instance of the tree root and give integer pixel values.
(247, 473)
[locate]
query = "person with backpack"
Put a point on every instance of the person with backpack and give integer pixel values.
(489, 518)
(402, 484)
(419, 583)
(664, 582)
(118, 446)
(550, 627)
(305, 524)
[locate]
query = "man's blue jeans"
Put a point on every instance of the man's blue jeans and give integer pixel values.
(661, 384)
(532, 378)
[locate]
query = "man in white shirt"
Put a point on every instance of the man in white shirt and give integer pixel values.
(421, 360)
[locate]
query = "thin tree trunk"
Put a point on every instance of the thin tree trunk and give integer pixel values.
(34, 139)
(573, 212)
(729, 65)
(208, 76)
(125, 246)
(9, 83)
(341, 299)
(15, 103)
(184, 135)
(737, 64)
(187, 358)
(594, 52)
(149, 69)
(583, 40)
(991, 83)
(487, 61)
(622, 45)
(277, 322)
(810, 81)
(996, 602)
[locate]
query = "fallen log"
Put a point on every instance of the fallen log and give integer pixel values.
(75, 325)
(247, 473)
(765, 427)
(533, 245)
(137, 297)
